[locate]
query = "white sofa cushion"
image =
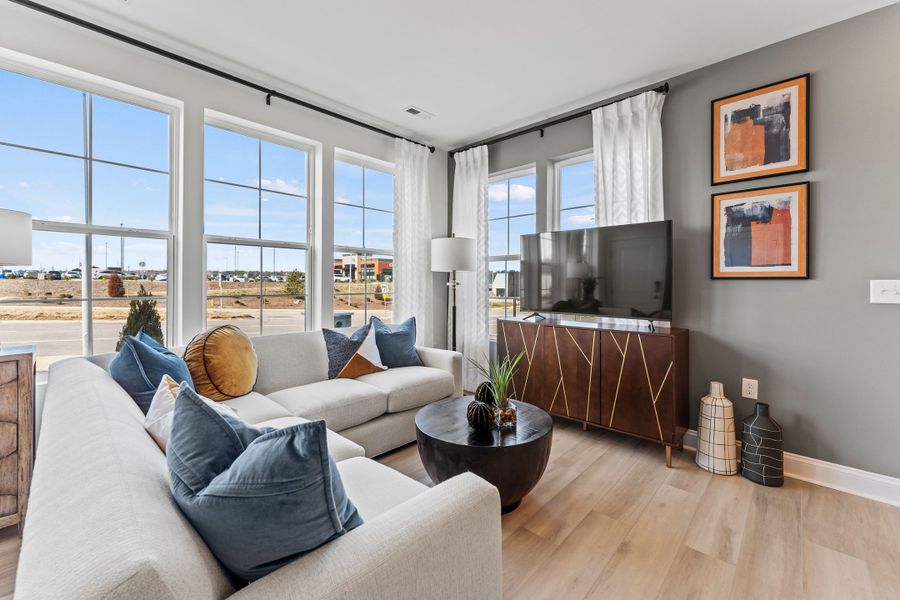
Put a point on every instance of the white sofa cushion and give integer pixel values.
(339, 447)
(254, 408)
(342, 403)
(101, 522)
(375, 488)
(411, 387)
(290, 359)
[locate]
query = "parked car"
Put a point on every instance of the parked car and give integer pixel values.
(73, 274)
(50, 276)
(161, 277)
(341, 279)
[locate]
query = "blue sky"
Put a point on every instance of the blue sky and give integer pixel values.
(576, 189)
(511, 213)
(44, 115)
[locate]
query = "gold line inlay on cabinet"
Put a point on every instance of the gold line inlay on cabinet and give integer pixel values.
(587, 409)
(506, 344)
(624, 353)
(654, 397)
(528, 358)
(562, 379)
(579, 347)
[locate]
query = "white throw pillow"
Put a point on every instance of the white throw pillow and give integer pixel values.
(158, 421)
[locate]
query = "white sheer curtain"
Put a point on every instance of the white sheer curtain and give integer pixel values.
(628, 160)
(413, 290)
(470, 181)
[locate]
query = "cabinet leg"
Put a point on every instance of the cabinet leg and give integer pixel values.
(584, 425)
(669, 456)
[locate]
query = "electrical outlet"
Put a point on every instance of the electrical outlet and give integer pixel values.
(749, 388)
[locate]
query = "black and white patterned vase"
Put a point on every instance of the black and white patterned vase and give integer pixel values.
(762, 448)
(716, 446)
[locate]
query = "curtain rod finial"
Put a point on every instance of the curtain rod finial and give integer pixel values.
(269, 99)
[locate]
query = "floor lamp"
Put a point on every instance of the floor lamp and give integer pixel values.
(449, 255)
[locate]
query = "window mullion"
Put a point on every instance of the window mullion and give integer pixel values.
(259, 229)
(87, 270)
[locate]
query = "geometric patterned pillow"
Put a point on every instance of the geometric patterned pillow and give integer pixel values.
(354, 356)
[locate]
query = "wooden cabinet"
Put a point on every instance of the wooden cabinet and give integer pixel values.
(629, 380)
(16, 432)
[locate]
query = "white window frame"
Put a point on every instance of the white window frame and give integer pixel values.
(313, 149)
(554, 208)
(37, 68)
(366, 162)
(530, 169)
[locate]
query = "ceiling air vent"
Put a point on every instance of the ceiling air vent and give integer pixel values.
(418, 112)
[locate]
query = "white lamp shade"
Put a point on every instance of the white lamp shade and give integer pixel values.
(453, 254)
(15, 237)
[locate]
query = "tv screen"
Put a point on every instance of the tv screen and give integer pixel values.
(622, 271)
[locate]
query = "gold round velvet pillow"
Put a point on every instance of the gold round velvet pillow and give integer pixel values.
(222, 363)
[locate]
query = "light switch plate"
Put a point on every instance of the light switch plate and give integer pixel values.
(884, 291)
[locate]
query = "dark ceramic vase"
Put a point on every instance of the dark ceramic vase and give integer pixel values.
(484, 393)
(762, 448)
(480, 415)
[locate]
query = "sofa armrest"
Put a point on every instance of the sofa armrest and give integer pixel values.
(443, 543)
(448, 360)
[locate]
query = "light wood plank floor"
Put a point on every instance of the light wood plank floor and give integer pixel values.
(608, 520)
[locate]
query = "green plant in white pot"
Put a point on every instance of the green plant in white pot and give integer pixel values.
(499, 375)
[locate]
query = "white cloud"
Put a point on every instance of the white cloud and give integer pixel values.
(517, 192)
(280, 185)
(24, 185)
(66, 219)
(148, 188)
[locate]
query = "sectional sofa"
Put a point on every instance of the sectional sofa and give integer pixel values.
(101, 522)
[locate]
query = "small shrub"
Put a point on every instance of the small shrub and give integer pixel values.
(114, 286)
(142, 314)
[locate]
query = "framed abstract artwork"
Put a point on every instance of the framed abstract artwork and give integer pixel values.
(761, 233)
(761, 132)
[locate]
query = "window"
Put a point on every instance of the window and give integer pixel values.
(101, 206)
(363, 241)
(256, 215)
(575, 179)
(511, 213)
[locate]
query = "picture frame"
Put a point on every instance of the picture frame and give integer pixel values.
(761, 233)
(772, 134)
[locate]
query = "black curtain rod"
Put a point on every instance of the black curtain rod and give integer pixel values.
(580, 112)
(270, 93)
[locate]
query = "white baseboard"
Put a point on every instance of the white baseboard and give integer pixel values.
(838, 477)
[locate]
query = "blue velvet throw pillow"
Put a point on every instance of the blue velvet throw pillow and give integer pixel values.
(259, 497)
(397, 346)
(139, 367)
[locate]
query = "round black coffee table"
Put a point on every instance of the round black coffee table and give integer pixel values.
(513, 460)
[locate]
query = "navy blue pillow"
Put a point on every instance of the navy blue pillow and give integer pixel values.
(139, 367)
(397, 346)
(259, 497)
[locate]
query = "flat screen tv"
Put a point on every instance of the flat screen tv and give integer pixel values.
(622, 271)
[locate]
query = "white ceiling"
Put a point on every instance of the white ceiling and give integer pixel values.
(481, 66)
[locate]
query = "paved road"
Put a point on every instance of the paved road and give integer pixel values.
(60, 339)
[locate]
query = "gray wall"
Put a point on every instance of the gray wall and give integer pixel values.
(40, 36)
(827, 360)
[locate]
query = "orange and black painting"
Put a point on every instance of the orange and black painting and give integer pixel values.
(761, 233)
(761, 132)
